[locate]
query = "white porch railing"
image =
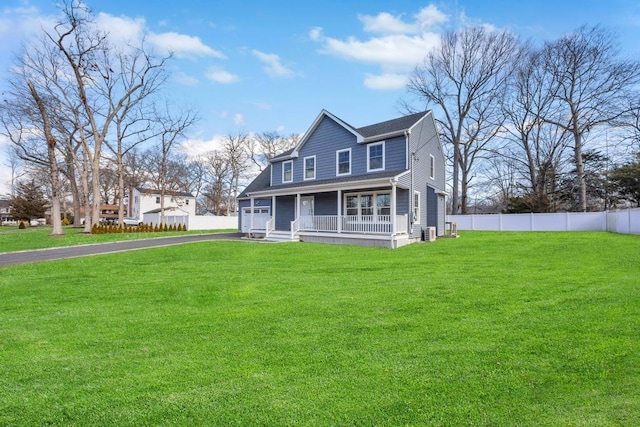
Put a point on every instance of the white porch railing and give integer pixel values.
(295, 227)
(268, 227)
(375, 224)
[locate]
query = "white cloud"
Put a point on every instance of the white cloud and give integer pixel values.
(182, 45)
(385, 81)
(185, 79)
(122, 30)
(238, 119)
(273, 66)
(397, 46)
(219, 75)
(385, 23)
(194, 147)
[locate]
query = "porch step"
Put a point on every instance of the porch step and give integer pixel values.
(281, 236)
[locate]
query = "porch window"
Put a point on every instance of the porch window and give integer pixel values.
(383, 204)
(352, 205)
(310, 167)
(343, 162)
(432, 167)
(287, 171)
(366, 204)
(375, 159)
(416, 207)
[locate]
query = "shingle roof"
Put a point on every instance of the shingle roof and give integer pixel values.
(390, 126)
(262, 182)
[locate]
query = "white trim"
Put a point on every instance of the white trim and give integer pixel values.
(283, 164)
(304, 168)
(369, 157)
(416, 219)
(338, 163)
(374, 198)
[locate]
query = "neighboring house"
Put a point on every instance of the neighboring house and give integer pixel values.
(146, 205)
(378, 185)
(5, 211)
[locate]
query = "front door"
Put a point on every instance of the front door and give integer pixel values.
(306, 212)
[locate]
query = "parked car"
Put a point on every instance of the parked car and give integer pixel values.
(131, 221)
(107, 221)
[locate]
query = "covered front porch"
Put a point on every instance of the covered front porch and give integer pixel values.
(375, 216)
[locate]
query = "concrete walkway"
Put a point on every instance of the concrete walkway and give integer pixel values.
(37, 255)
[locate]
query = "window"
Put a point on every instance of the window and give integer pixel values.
(343, 162)
(375, 158)
(432, 167)
(310, 167)
(186, 202)
(383, 204)
(352, 205)
(368, 206)
(416, 207)
(287, 171)
(157, 199)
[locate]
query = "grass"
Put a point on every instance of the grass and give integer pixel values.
(13, 239)
(488, 329)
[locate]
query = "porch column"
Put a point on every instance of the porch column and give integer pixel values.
(297, 215)
(251, 216)
(273, 210)
(393, 208)
(339, 211)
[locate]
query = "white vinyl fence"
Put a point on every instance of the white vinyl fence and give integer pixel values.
(623, 221)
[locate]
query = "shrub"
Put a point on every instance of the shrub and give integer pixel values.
(65, 221)
(22, 226)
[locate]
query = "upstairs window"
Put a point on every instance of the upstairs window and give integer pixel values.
(287, 171)
(310, 167)
(375, 158)
(432, 167)
(343, 162)
(158, 199)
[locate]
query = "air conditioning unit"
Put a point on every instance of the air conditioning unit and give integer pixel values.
(431, 234)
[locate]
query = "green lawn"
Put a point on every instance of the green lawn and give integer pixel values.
(499, 329)
(14, 239)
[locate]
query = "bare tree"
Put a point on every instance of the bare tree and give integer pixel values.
(537, 148)
(263, 146)
(220, 175)
(465, 78)
(235, 151)
(592, 87)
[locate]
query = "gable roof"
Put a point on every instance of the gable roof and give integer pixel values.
(364, 134)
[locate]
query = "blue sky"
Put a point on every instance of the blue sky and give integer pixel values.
(255, 66)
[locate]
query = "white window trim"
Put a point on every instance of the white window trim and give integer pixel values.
(338, 163)
(369, 157)
(416, 220)
(373, 194)
(284, 163)
(304, 166)
(432, 167)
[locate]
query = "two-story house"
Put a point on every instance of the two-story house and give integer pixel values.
(145, 204)
(378, 185)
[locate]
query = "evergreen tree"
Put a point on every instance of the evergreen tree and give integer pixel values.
(29, 202)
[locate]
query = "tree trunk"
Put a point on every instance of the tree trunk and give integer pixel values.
(582, 185)
(53, 163)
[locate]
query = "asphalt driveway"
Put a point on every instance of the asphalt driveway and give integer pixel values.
(24, 257)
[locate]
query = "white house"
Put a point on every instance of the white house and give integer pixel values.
(146, 205)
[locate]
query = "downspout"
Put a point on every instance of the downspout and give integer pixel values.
(411, 191)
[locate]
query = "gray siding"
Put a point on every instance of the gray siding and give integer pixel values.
(424, 141)
(326, 203)
(329, 137)
(285, 212)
